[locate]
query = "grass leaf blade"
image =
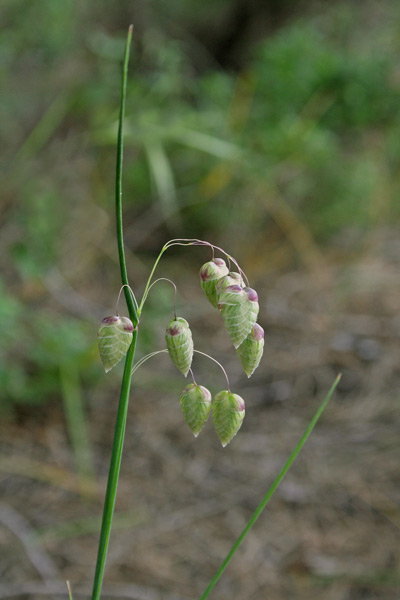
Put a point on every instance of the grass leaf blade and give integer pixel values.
(271, 490)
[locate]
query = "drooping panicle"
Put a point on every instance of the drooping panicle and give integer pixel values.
(210, 273)
(178, 338)
(228, 411)
(251, 350)
(114, 338)
(196, 406)
(239, 308)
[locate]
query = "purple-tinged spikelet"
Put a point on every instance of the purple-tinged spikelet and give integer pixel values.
(178, 338)
(251, 350)
(114, 338)
(228, 413)
(226, 281)
(210, 273)
(239, 309)
(253, 306)
(196, 406)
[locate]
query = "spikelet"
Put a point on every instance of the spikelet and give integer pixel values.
(210, 273)
(196, 406)
(178, 338)
(254, 307)
(228, 413)
(239, 308)
(226, 281)
(114, 338)
(251, 350)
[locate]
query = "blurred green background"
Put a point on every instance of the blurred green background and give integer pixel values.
(271, 128)
(233, 124)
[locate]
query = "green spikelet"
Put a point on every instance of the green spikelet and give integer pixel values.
(210, 273)
(114, 339)
(251, 350)
(254, 307)
(226, 281)
(178, 338)
(196, 406)
(239, 308)
(228, 413)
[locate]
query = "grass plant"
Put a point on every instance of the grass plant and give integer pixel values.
(243, 297)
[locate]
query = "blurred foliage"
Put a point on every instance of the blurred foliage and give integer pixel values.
(310, 123)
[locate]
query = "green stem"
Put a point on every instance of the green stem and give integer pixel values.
(120, 426)
(113, 475)
(271, 490)
(118, 184)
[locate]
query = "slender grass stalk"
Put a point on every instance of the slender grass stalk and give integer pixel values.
(270, 491)
(118, 184)
(120, 425)
(113, 474)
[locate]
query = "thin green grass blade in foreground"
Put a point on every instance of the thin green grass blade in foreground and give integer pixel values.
(69, 591)
(271, 490)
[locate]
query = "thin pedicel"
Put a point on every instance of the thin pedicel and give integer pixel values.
(163, 279)
(119, 295)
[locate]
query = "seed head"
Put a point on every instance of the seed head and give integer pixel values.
(196, 406)
(226, 281)
(114, 338)
(228, 413)
(178, 338)
(251, 350)
(210, 273)
(239, 309)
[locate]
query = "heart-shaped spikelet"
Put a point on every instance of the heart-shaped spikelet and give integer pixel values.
(178, 338)
(196, 406)
(251, 350)
(227, 280)
(210, 273)
(114, 338)
(228, 413)
(239, 308)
